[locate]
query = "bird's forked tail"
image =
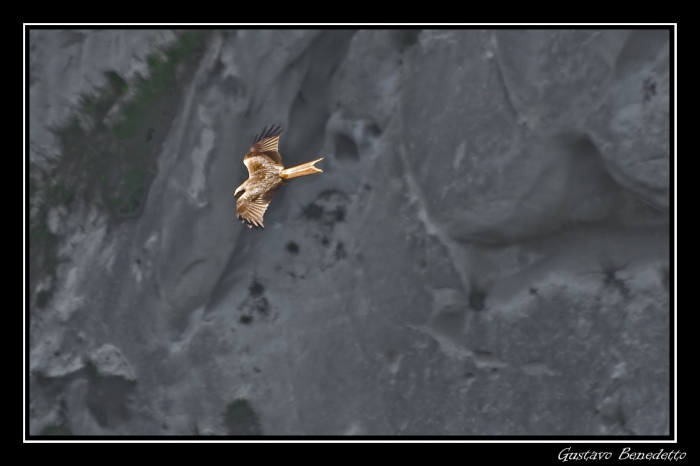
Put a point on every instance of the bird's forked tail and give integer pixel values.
(300, 170)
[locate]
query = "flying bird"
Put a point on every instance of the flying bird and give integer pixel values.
(266, 175)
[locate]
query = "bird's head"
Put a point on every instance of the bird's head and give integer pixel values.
(239, 190)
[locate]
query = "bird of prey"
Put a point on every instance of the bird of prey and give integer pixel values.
(266, 175)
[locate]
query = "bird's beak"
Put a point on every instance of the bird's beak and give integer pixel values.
(239, 191)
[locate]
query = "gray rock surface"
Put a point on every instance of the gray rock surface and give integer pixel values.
(486, 252)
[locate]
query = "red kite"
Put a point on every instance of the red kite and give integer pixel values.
(266, 175)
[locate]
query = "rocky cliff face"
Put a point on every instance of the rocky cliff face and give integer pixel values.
(486, 252)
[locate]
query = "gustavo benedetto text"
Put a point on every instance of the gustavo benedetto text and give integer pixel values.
(627, 454)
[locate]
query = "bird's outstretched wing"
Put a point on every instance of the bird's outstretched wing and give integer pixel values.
(252, 208)
(266, 144)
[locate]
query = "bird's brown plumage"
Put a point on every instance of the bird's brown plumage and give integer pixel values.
(266, 174)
